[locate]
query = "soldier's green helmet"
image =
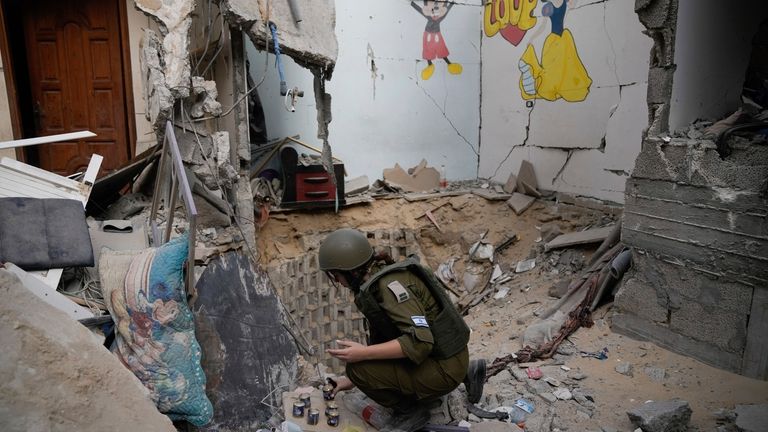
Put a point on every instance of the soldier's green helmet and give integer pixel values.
(344, 249)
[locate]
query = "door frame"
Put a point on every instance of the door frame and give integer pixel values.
(125, 53)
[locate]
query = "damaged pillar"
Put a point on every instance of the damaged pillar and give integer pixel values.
(660, 19)
(697, 224)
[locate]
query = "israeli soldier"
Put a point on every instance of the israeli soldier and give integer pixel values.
(418, 341)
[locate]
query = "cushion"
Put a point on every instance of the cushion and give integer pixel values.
(41, 234)
(154, 327)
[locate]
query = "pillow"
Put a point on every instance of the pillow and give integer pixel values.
(154, 327)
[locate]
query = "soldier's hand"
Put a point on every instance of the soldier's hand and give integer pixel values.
(342, 383)
(350, 351)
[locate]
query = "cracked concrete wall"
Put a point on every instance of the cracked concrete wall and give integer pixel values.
(584, 147)
(698, 226)
(711, 65)
(312, 40)
(383, 111)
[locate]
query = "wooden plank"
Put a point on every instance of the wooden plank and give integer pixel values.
(39, 173)
(72, 136)
(93, 169)
(594, 235)
(49, 295)
(755, 363)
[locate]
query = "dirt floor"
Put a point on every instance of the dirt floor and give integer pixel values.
(498, 324)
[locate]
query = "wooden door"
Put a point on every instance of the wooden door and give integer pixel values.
(76, 78)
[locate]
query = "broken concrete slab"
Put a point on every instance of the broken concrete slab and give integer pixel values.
(526, 175)
(422, 178)
(491, 195)
(751, 418)
(43, 351)
(356, 185)
(520, 203)
(594, 235)
(511, 185)
(311, 42)
(662, 416)
(530, 190)
(174, 18)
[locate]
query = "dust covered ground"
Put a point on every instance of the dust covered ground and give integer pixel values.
(601, 394)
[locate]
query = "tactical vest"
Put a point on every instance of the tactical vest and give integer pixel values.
(449, 330)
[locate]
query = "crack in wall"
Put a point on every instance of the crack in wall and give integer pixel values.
(480, 109)
(589, 4)
(618, 172)
(450, 122)
(562, 168)
(374, 70)
(525, 142)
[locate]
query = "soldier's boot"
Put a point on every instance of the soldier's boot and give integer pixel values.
(475, 380)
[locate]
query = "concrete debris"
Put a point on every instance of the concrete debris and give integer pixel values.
(662, 416)
(563, 394)
(157, 96)
(174, 18)
(418, 179)
(520, 203)
(205, 100)
(526, 265)
(594, 235)
(519, 374)
(44, 351)
(356, 185)
(526, 178)
(481, 251)
(624, 368)
(549, 231)
(511, 185)
(491, 195)
(656, 374)
(311, 43)
(751, 418)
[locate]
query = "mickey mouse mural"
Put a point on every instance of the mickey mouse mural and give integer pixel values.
(433, 42)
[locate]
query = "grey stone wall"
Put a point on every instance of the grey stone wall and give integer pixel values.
(699, 228)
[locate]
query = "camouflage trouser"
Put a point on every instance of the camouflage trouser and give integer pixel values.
(402, 385)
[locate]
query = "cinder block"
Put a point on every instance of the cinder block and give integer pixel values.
(710, 324)
(640, 299)
(638, 328)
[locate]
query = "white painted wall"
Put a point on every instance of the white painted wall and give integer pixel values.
(712, 52)
(388, 115)
(584, 148)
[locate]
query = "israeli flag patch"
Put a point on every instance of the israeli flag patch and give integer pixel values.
(419, 321)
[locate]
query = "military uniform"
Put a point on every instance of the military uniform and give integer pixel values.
(399, 305)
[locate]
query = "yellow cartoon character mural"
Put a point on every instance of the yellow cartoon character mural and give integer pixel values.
(433, 42)
(560, 74)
